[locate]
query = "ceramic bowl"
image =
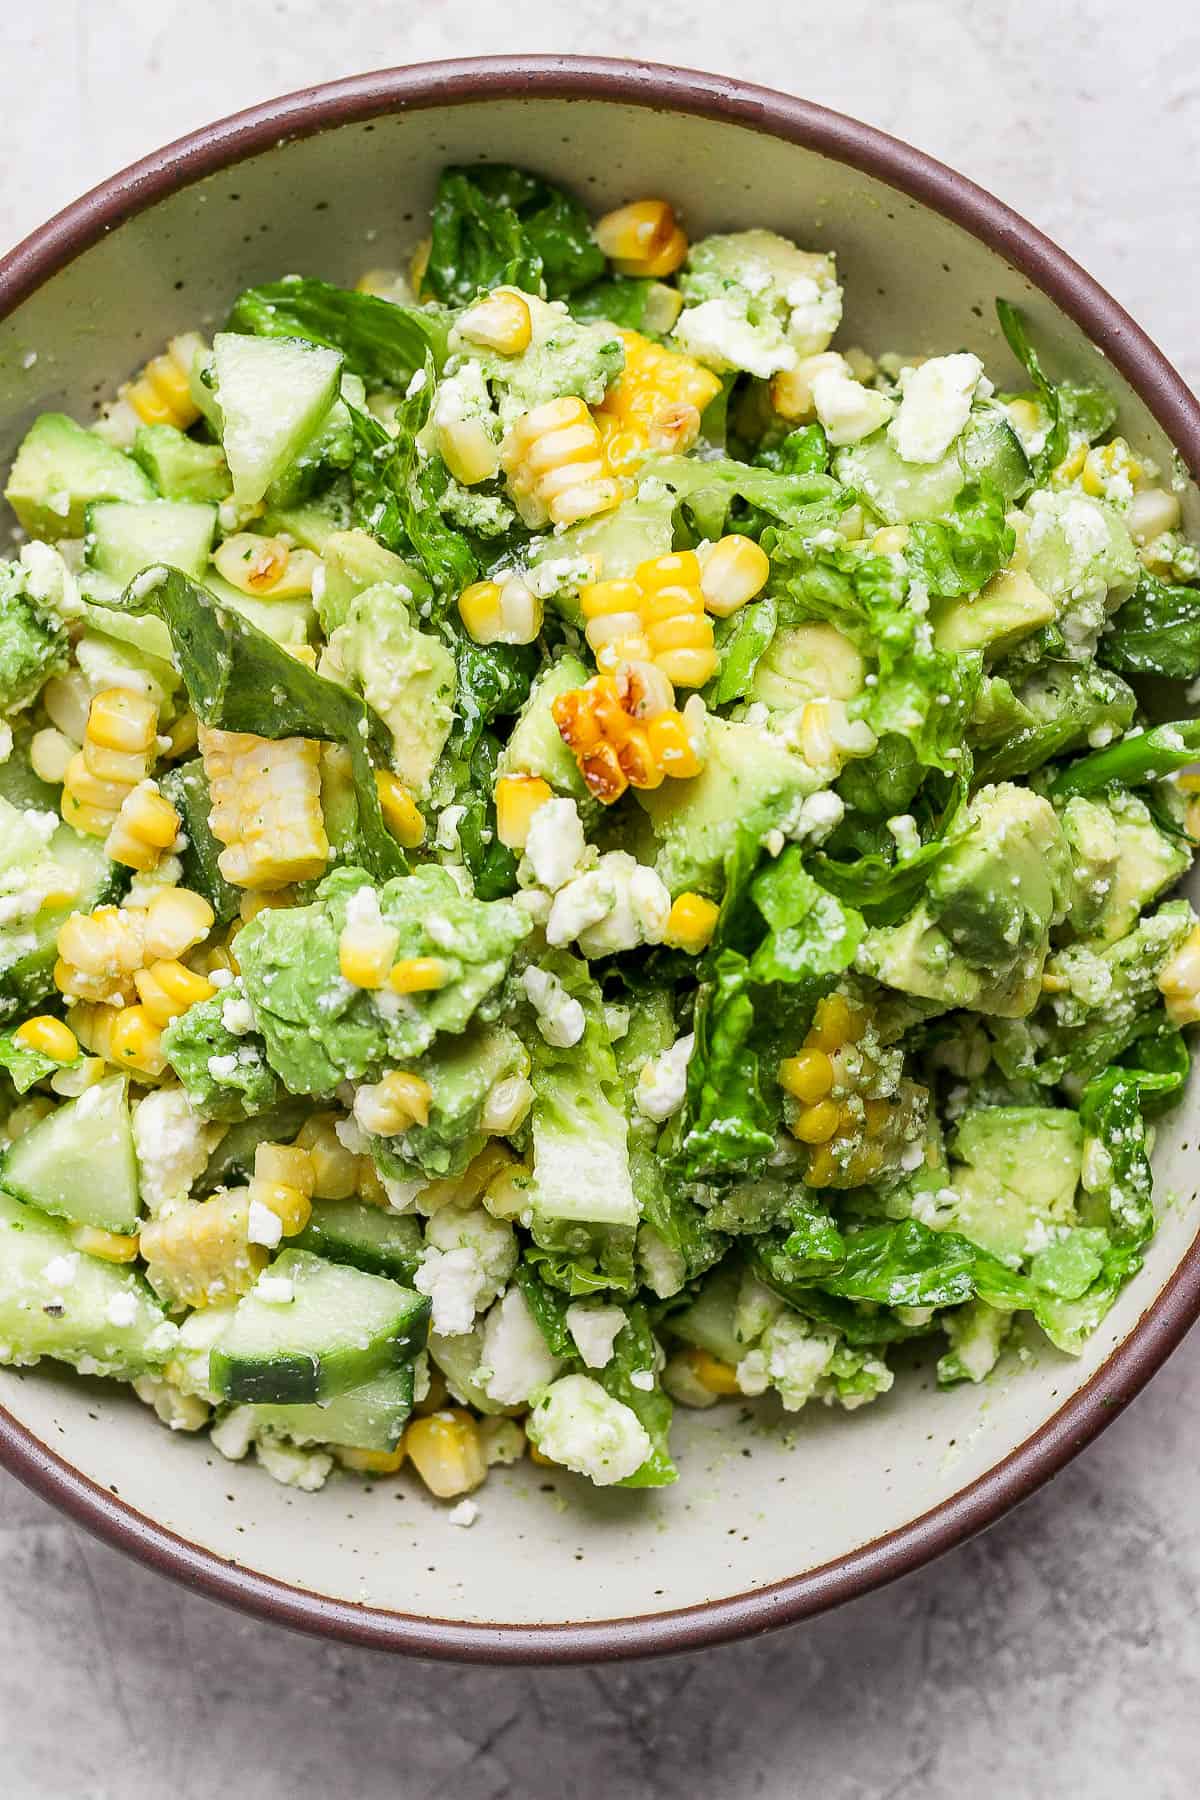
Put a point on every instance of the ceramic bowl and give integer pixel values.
(769, 1524)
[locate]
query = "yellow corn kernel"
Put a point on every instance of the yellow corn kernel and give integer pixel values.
(145, 827)
(109, 1246)
(467, 448)
(1179, 981)
(792, 389)
(167, 989)
(250, 905)
(691, 923)
(121, 720)
(335, 1169)
(50, 754)
(48, 1036)
(657, 616)
(715, 1376)
(807, 1076)
(655, 403)
(266, 807)
(389, 1106)
(1026, 415)
(98, 953)
(465, 1189)
(499, 322)
(445, 1450)
(500, 614)
(181, 737)
(176, 920)
(1152, 511)
(291, 1207)
(671, 746)
(200, 1254)
(816, 1124)
(646, 693)
(92, 821)
(612, 613)
(1071, 466)
(642, 238)
(401, 814)
(161, 394)
(418, 975)
(366, 952)
(506, 1106)
(518, 797)
(733, 572)
(835, 1024)
(268, 566)
(89, 790)
(876, 1113)
(554, 459)
(373, 1462)
(368, 1187)
(1107, 463)
(386, 284)
(135, 1042)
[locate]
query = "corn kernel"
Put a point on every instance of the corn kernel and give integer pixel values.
(418, 975)
(1179, 981)
(671, 746)
(835, 1024)
(401, 814)
(446, 1452)
(655, 403)
(1152, 511)
(167, 989)
(135, 1042)
(733, 572)
(335, 1169)
(176, 920)
(691, 923)
(807, 1076)
(265, 565)
(161, 394)
(392, 1104)
(290, 1206)
(715, 1376)
(554, 459)
(366, 953)
(47, 1036)
(109, 1246)
(518, 797)
(500, 322)
(373, 1462)
(495, 614)
(145, 827)
(506, 1106)
(816, 1124)
(642, 238)
(50, 754)
(121, 720)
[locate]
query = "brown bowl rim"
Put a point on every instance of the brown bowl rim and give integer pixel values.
(1164, 1323)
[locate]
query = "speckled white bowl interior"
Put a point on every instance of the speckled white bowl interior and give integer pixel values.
(761, 1501)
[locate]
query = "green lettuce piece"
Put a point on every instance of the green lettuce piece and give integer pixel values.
(383, 343)
(33, 646)
(619, 299)
(239, 679)
(494, 225)
(959, 552)
(801, 452)
(741, 640)
(23, 1066)
(812, 935)
(1017, 728)
(727, 1123)
(1156, 632)
(1140, 757)
(635, 1352)
(1058, 435)
(549, 1308)
(226, 1077)
(719, 495)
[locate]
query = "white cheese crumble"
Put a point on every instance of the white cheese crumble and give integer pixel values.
(264, 1226)
(595, 1330)
(222, 1067)
(662, 1083)
(848, 410)
(935, 402)
(173, 1145)
(464, 1514)
(616, 906)
(275, 1290)
(555, 845)
(60, 1271)
(514, 1358)
(122, 1309)
(237, 1015)
(560, 1017)
(453, 1280)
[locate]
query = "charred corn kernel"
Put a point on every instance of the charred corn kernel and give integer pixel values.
(467, 448)
(691, 923)
(646, 693)
(265, 807)
(807, 1076)
(435, 1399)
(506, 1106)
(517, 799)
(495, 613)
(642, 238)
(613, 749)
(1108, 463)
(390, 1105)
(161, 394)
(121, 720)
(715, 1376)
(418, 975)
(50, 754)
(334, 1168)
(109, 1246)
(835, 1024)
(48, 1036)
(167, 989)
(733, 572)
(1179, 981)
(265, 565)
(554, 459)
(1071, 466)
(655, 403)
(445, 1450)
(499, 322)
(816, 1124)
(1152, 511)
(98, 953)
(366, 953)
(146, 826)
(176, 920)
(200, 1254)
(401, 814)
(373, 1462)
(792, 389)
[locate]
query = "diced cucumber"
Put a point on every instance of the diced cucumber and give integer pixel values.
(339, 1328)
(181, 468)
(79, 1161)
(18, 783)
(123, 538)
(366, 1237)
(55, 1301)
(28, 949)
(186, 787)
(287, 621)
(314, 525)
(273, 394)
(990, 450)
(709, 1321)
(329, 449)
(60, 469)
(370, 1417)
(233, 1159)
(899, 491)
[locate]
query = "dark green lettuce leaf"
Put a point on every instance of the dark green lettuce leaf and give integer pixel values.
(812, 935)
(384, 343)
(1140, 757)
(959, 552)
(1156, 632)
(727, 1124)
(495, 225)
(1051, 397)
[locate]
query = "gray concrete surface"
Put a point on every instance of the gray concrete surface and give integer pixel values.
(1058, 1654)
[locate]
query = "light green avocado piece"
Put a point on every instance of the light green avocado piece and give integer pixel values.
(180, 467)
(60, 469)
(751, 781)
(807, 662)
(1007, 609)
(226, 1076)
(1014, 1168)
(1123, 861)
(635, 531)
(354, 561)
(564, 356)
(405, 674)
(1081, 555)
(1091, 833)
(460, 1072)
(754, 300)
(535, 746)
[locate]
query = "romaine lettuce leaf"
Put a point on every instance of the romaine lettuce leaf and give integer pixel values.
(494, 225)
(959, 552)
(383, 343)
(1156, 632)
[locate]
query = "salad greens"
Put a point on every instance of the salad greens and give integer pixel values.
(567, 848)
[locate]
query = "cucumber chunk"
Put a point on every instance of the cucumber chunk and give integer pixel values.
(124, 538)
(28, 949)
(339, 1329)
(370, 1417)
(181, 468)
(365, 1237)
(55, 1301)
(273, 394)
(79, 1162)
(60, 469)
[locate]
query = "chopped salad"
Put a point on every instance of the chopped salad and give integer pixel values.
(567, 847)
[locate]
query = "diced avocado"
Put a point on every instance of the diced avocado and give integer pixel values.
(354, 561)
(1007, 609)
(313, 524)
(1123, 861)
(55, 1301)
(631, 533)
(460, 1071)
(564, 356)
(33, 645)
(535, 746)
(1091, 833)
(329, 449)
(366, 1237)
(370, 1417)
(287, 621)
(755, 301)
(124, 538)
(79, 1161)
(273, 394)
(751, 781)
(1058, 707)
(186, 787)
(37, 874)
(407, 675)
(1082, 556)
(180, 467)
(226, 1075)
(807, 662)
(60, 469)
(1013, 1169)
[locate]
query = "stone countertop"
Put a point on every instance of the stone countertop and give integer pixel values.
(1059, 1652)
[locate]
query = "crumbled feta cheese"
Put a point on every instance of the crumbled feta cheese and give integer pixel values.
(719, 333)
(60, 1271)
(616, 906)
(464, 1514)
(264, 1226)
(848, 410)
(514, 1353)
(233, 1435)
(291, 1466)
(643, 1380)
(555, 845)
(818, 815)
(579, 1425)
(222, 1067)
(453, 1281)
(173, 1145)
(560, 1017)
(662, 1083)
(447, 830)
(595, 1329)
(122, 1309)
(815, 311)
(274, 1290)
(237, 1015)
(935, 403)
(663, 1266)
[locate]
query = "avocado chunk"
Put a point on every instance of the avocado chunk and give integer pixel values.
(354, 561)
(60, 469)
(1014, 1169)
(405, 674)
(33, 645)
(1082, 556)
(751, 781)
(180, 467)
(1007, 609)
(535, 746)
(460, 1071)
(807, 662)
(1122, 859)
